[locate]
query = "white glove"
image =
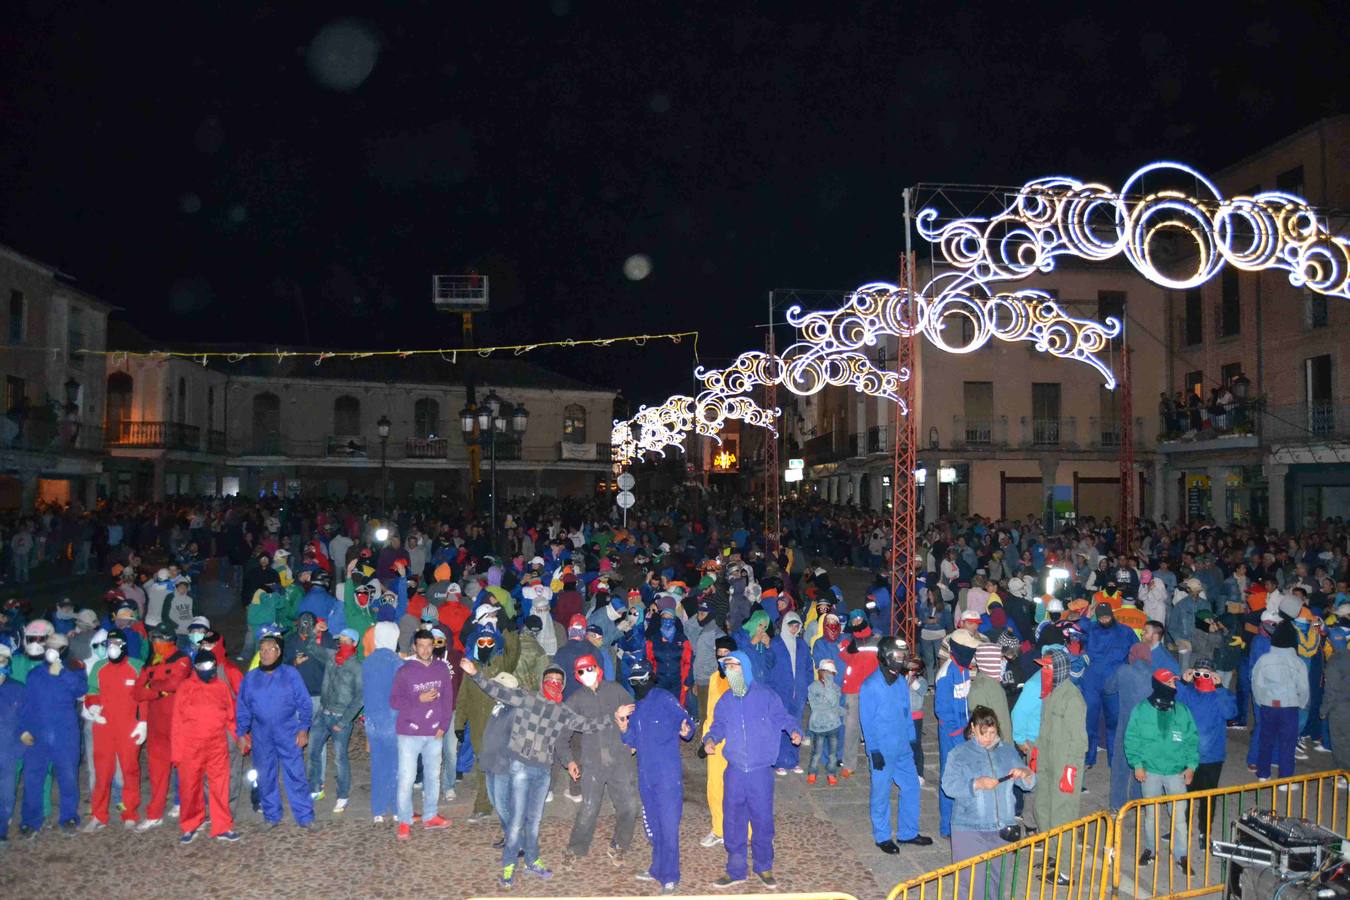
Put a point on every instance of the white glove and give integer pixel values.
(93, 714)
(138, 733)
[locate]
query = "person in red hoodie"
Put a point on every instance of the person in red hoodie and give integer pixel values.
(230, 673)
(568, 602)
(858, 651)
(119, 727)
(203, 726)
(156, 686)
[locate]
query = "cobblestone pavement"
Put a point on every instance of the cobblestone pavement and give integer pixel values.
(823, 842)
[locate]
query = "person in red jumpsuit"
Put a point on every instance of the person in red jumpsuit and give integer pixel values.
(203, 725)
(119, 729)
(158, 683)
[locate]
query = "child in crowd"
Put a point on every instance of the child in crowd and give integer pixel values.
(827, 714)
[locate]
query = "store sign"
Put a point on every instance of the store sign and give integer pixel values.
(792, 475)
(796, 464)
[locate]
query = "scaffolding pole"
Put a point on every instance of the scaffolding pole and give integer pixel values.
(904, 608)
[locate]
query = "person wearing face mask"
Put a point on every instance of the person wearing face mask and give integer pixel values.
(888, 729)
(49, 729)
(273, 716)
(228, 672)
(195, 633)
(340, 700)
(1163, 747)
(605, 765)
(118, 727)
(489, 650)
(11, 749)
(1060, 744)
(423, 695)
(156, 686)
(654, 730)
(717, 763)
(377, 681)
(1132, 684)
(790, 677)
(749, 718)
(986, 685)
(1280, 689)
(1211, 706)
(203, 725)
(1108, 644)
(671, 656)
(35, 635)
(709, 629)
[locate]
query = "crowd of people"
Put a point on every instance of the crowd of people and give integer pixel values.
(576, 661)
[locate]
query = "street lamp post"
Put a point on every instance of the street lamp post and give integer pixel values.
(481, 424)
(382, 426)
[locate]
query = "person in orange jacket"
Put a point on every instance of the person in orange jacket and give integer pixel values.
(203, 726)
(156, 686)
(119, 728)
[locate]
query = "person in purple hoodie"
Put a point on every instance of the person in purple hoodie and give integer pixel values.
(749, 718)
(423, 697)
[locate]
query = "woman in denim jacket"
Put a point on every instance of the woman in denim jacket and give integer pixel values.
(982, 801)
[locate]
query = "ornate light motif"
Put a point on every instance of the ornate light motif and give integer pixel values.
(654, 428)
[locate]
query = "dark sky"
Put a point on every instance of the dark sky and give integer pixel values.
(237, 175)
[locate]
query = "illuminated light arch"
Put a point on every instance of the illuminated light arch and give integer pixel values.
(654, 428)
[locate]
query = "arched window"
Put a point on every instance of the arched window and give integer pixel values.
(426, 418)
(347, 416)
(119, 405)
(574, 424)
(182, 400)
(266, 424)
(210, 407)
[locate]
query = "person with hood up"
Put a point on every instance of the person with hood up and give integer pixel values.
(705, 654)
(986, 685)
(273, 716)
(754, 641)
(1212, 706)
(1108, 645)
(49, 729)
(340, 700)
(1132, 684)
(156, 686)
(790, 677)
(552, 634)
(1060, 744)
(533, 659)
(717, 764)
(888, 728)
(377, 683)
(858, 655)
(203, 725)
(1280, 690)
(951, 690)
(654, 730)
(605, 764)
(12, 695)
(492, 652)
(423, 697)
(157, 590)
(1163, 746)
(606, 615)
(749, 719)
(227, 671)
(671, 656)
(118, 728)
(981, 774)
(576, 647)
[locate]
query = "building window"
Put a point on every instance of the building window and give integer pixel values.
(1045, 413)
(1192, 331)
(15, 393)
(1317, 390)
(1230, 304)
(979, 408)
(266, 424)
(1111, 304)
(426, 418)
(1229, 373)
(74, 337)
(182, 400)
(210, 407)
(347, 416)
(574, 424)
(1195, 384)
(1291, 181)
(16, 312)
(1315, 311)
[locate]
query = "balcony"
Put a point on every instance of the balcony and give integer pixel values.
(47, 436)
(1235, 426)
(979, 431)
(345, 446)
(152, 436)
(1302, 423)
(1105, 434)
(427, 448)
(215, 441)
(876, 439)
(1048, 432)
(828, 447)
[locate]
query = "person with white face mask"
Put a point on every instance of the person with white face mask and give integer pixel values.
(50, 729)
(117, 729)
(11, 751)
(605, 763)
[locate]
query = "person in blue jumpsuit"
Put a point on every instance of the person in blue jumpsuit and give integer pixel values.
(949, 704)
(1108, 644)
(888, 730)
(655, 729)
(377, 680)
(49, 727)
(790, 676)
(11, 749)
(273, 716)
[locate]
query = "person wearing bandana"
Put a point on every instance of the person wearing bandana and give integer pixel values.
(888, 729)
(654, 730)
(749, 719)
(1212, 706)
(158, 682)
(606, 765)
(1060, 744)
(203, 725)
(340, 700)
(377, 680)
(118, 727)
(1163, 746)
(492, 653)
(273, 716)
(1107, 645)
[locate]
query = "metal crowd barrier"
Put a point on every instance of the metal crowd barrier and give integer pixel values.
(1078, 853)
(1315, 796)
(818, 895)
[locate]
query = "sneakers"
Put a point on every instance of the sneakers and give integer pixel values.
(1146, 858)
(1302, 743)
(797, 770)
(615, 855)
(448, 795)
(228, 837)
(1285, 787)
(508, 877)
(436, 821)
(668, 888)
(1318, 746)
(187, 838)
(148, 824)
(548, 798)
(811, 779)
(93, 825)
(340, 805)
(644, 876)
(404, 831)
(1184, 864)
(831, 780)
(538, 870)
(129, 824)
(845, 773)
(922, 782)
(173, 811)
(727, 881)
(780, 772)
(316, 795)
(378, 820)
(1300, 755)
(710, 840)
(767, 879)
(477, 818)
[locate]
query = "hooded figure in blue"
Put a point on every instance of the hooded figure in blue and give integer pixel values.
(1132, 684)
(654, 730)
(377, 681)
(790, 677)
(950, 690)
(11, 748)
(273, 715)
(1107, 645)
(878, 606)
(749, 718)
(888, 730)
(324, 605)
(49, 727)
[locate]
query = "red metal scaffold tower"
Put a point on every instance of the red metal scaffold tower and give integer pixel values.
(904, 535)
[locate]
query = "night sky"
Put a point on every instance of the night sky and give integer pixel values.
(295, 174)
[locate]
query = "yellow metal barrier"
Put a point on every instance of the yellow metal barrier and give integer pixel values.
(1079, 868)
(817, 895)
(1316, 796)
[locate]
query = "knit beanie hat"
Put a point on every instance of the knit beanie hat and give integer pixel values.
(989, 660)
(1285, 635)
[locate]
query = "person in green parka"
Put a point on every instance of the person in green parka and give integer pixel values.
(1061, 744)
(492, 652)
(986, 685)
(1162, 745)
(533, 659)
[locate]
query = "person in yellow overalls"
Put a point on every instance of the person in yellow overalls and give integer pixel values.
(717, 764)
